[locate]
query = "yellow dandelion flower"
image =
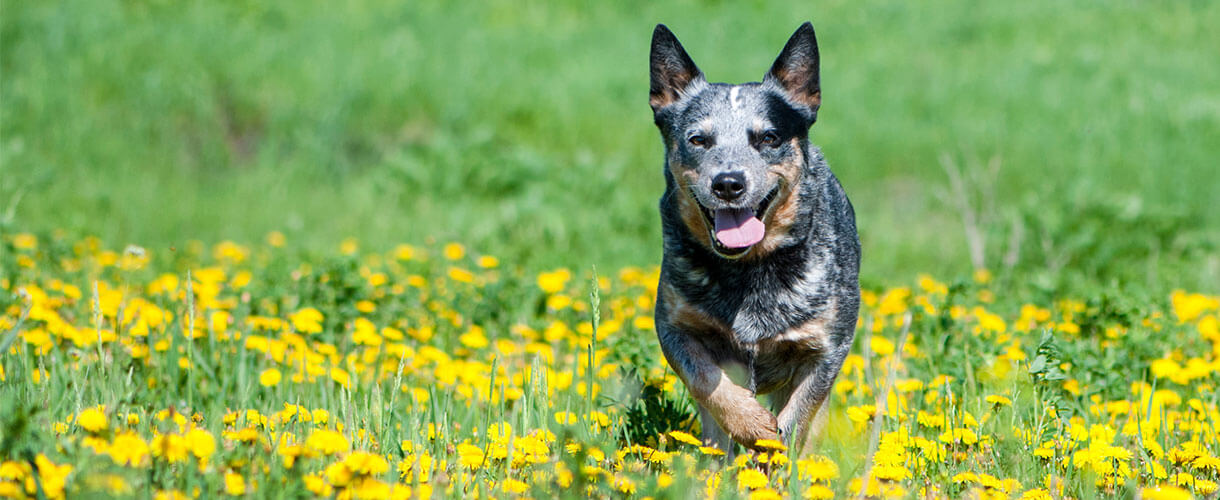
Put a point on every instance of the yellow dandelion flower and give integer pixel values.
(530, 450)
(881, 345)
(997, 400)
(326, 442)
(819, 492)
(128, 449)
(269, 377)
(751, 479)
(1205, 486)
(235, 485)
(1189, 306)
(713, 484)
(454, 251)
(95, 443)
(1204, 462)
(53, 477)
(93, 419)
(554, 281)
(318, 486)
(290, 453)
(364, 463)
(460, 275)
(764, 494)
(817, 469)
(513, 486)
(488, 262)
(341, 377)
(623, 485)
(25, 241)
(1165, 492)
(169, 495)
(171, 447)
(770, 444)
(558, 302)
(959, 435)
(1037, 494)
(965, 477)
(339, 474)
(685, 438)
(470, 456)
(894, 301)
(307, 320)
(200, 443)
(474, 339)
(891, 472)
(861, 414)
(320, 416)
(563, 475)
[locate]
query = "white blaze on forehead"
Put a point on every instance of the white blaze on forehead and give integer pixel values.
(734, 99)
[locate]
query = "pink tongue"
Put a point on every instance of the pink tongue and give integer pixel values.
(738, 227)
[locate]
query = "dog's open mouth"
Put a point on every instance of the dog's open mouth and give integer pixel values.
(735, 230)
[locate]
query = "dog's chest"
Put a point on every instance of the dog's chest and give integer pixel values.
(762, 303)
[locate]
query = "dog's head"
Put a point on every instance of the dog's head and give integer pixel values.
(736, 153)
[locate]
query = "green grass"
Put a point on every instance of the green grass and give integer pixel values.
(1085, 135)
(102, 336)
(522, 129)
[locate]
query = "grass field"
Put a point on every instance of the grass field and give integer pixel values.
(438, 371)
(381, 249)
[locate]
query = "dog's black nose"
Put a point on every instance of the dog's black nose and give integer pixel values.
(730, 186)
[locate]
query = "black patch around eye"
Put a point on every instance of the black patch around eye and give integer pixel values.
(767, 138)
(787, 120)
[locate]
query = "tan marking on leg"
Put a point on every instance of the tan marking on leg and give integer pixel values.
(739, 414)
(732, 406)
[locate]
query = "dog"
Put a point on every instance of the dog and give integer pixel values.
(759, 290)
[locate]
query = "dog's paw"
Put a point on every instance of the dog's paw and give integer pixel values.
(751, 424)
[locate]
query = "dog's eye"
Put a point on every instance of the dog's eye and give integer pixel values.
(698, 140)
(770, 139)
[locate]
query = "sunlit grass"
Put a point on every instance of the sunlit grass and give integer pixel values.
(525, 127)
(422, 370)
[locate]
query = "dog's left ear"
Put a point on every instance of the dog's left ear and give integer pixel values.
(796, 69)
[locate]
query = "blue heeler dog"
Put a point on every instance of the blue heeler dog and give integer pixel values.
(759, 291)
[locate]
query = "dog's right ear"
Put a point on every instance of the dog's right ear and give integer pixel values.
(672, 69)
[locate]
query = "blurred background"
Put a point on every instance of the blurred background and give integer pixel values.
(1060, 144)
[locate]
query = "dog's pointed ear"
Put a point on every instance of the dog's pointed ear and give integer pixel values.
(672, 70)
(796, 69)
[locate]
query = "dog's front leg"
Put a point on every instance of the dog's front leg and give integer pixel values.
(732, 407)
(801, 406)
